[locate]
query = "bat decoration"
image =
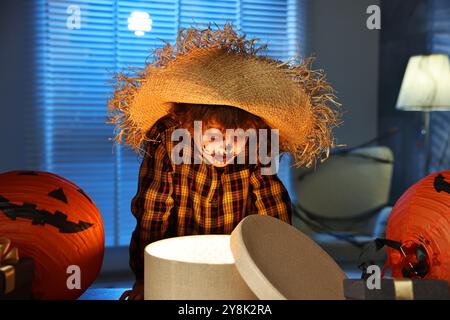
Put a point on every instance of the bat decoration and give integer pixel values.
(440, 184)
(41, 217)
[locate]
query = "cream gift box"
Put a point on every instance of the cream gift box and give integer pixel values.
(263, 258)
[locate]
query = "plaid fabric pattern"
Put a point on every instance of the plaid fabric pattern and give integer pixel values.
(188, 199)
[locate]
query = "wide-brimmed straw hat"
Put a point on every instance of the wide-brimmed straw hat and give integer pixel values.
(222, 67)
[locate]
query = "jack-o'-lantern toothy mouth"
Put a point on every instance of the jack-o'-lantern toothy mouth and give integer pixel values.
(41, 217)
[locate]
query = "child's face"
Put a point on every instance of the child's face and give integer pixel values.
(218, 148)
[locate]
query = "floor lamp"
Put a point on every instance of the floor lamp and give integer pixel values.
(426, 88)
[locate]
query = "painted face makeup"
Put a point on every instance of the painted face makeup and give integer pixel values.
(214, 147)
(220, 149)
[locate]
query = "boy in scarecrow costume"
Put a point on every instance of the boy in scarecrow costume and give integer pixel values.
(216, 77)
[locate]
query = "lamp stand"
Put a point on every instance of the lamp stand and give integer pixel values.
(426, 134)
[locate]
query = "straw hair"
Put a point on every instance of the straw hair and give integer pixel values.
(221, 67)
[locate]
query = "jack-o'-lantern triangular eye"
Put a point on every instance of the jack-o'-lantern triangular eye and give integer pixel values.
(27, 173)
(58, 194)
(84, 194)
(440, 184)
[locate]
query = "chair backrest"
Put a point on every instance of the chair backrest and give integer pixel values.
(346, 185)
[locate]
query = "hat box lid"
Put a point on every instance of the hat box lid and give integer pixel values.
(277, 261)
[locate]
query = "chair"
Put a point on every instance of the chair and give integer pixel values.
(343, 204)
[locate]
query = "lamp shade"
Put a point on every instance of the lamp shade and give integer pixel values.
(426, 84)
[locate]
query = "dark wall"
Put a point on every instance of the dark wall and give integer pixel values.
(440, 121)
(348, 52)
(408, 28)
(16, 84)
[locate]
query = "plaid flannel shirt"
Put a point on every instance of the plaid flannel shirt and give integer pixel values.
(187, 199)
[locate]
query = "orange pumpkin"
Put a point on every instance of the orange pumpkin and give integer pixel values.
(420, 222)
(56, 223)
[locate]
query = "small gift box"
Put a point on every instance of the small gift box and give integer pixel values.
(16, 274)
(397, 289)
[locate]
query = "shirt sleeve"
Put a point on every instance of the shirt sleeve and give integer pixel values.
(269, 196)
(153, 202)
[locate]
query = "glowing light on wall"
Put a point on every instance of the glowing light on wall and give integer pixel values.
(139, 22)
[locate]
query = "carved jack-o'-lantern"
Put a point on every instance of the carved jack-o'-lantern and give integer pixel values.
(420, 224)
(56, 223)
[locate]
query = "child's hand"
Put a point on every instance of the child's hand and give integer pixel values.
(137, 293)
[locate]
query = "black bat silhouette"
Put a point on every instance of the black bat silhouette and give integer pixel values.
(440, 184)
(41, 217)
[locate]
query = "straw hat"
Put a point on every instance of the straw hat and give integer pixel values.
(221, 67)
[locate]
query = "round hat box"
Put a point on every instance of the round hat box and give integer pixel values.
(263, 258)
